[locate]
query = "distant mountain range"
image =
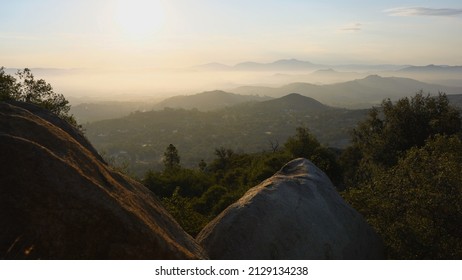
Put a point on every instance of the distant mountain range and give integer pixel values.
(292, 70)
(433, 68)
(283, 64)
(295, 65)
(357, 93)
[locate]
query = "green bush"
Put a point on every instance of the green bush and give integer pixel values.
(416, 206)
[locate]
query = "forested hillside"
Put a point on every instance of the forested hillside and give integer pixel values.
(139, 139)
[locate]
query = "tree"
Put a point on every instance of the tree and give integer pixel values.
(385, 135)
(223, 158)
(274, 145)
(202, 165)
(416, 205)
(209, 200)
(266, 164)
(190, 182)
(171, 158)
(391, 130)
(8, 86)
(182, 210)
(404, 175)
(27, 89)
(304, 144)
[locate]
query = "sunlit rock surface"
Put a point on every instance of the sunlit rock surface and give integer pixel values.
(295, 214)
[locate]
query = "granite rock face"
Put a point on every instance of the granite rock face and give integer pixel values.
(59, 199)
(295, 214)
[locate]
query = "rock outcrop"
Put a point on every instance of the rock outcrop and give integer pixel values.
(295, 214)
(59, 200)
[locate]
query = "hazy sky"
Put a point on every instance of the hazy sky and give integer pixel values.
(180, 33)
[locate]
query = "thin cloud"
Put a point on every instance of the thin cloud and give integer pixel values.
(355, 27)
(422, 11)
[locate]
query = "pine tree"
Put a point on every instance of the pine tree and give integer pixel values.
(171, 158)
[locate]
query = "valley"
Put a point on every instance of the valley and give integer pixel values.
(247, 119)
(141, 138)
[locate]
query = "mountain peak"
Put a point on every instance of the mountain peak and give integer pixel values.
(292, 60)
(433, 68)
(294, 95)
(373, 77)
(296, 101)
(282, 64)
(327, 70)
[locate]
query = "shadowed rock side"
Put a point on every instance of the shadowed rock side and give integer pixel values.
(295, 214)
(59, 200)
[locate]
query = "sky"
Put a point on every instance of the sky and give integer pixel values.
(149, 47)
(180, 33)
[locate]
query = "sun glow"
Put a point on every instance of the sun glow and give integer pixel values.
(139, 19)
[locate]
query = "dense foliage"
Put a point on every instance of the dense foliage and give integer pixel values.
(416, 205)
(195, 196)
(389, 131)
(403, 173)
(305, 145)
(26, 88)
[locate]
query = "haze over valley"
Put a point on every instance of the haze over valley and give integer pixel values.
(154, 85)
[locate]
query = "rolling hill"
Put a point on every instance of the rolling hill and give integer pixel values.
(206, 101)
(433, 68)
(140, 139)
(292, 102)
(360, 93)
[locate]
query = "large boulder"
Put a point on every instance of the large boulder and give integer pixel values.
(295, 214)
(59, 200)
